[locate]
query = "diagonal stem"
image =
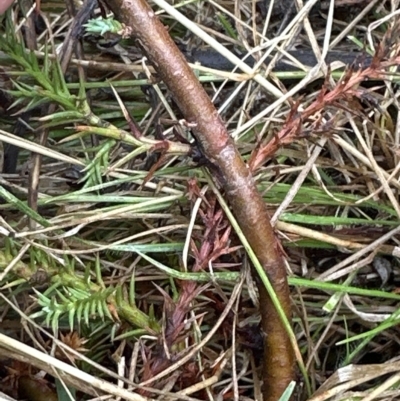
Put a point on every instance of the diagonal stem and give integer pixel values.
(233, 175)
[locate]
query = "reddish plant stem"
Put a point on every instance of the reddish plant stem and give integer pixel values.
(346, 90)
(235, 177)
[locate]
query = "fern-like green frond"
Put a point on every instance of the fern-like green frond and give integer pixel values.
(76, 304)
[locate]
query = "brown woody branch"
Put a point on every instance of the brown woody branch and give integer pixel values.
(236, 179)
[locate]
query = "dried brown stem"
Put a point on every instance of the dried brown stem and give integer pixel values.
(236, 179)
(345, 90)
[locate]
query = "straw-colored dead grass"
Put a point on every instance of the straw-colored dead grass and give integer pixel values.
(134, 253)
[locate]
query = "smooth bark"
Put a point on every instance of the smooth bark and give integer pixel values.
(233, 174)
